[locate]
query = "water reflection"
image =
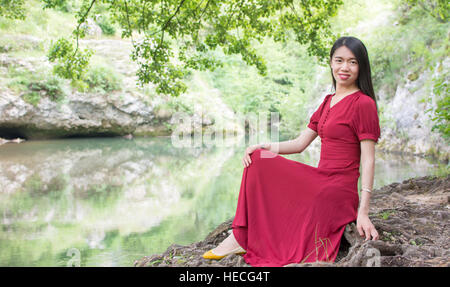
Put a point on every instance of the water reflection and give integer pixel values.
(116, 200)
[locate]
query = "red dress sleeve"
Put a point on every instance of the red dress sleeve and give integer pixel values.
(365, 121)
(314, 120)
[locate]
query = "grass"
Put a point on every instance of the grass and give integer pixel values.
(43, 24)
(33, 85)
(103, 79)
(386, 214)
(442, 171)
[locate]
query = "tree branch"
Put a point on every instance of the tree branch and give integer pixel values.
(128, 22)
(79, 24)
(171, 17)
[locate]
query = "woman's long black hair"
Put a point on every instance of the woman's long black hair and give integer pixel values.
(357, 47)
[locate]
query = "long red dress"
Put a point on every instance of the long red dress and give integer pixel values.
(290, 212)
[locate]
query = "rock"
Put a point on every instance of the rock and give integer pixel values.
(16, 140)
(407, 127)
(79, 115)
(413, 229)
(92, 29)
(128, 136)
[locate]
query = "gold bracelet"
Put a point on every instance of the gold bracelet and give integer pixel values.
(366, 189)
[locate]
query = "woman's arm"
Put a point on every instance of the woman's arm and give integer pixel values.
(297, 145)
(364, 225)
(368, 171)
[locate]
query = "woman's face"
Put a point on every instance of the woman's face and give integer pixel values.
(345, 67)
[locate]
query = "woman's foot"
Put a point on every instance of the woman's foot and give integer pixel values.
(228, 246)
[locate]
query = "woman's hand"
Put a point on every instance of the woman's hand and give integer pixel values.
(246, 161)
(366, 228)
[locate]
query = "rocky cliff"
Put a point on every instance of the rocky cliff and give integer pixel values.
(128, 110)
(407, 127)
(80, 115)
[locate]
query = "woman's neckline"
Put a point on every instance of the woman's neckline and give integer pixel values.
(329, 104)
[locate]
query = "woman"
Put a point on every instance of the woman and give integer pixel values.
(290, 212)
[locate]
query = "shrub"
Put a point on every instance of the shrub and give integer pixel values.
(105, 24)
(51, 87)
(102, 79)
(32, 98)
(33, 85)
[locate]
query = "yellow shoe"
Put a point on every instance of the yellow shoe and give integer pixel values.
(211, 255)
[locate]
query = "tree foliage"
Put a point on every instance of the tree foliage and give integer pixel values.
(71, 64)
(439, 9)
(440, 112)
(172, 36)
(12, 9)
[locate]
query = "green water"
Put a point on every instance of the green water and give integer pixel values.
(111, 201)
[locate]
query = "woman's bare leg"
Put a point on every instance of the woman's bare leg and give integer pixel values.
(227, 245)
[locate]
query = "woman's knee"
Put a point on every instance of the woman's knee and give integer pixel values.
(256, 155)
(262, 154)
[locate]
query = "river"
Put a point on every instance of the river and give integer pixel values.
(111, 201)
